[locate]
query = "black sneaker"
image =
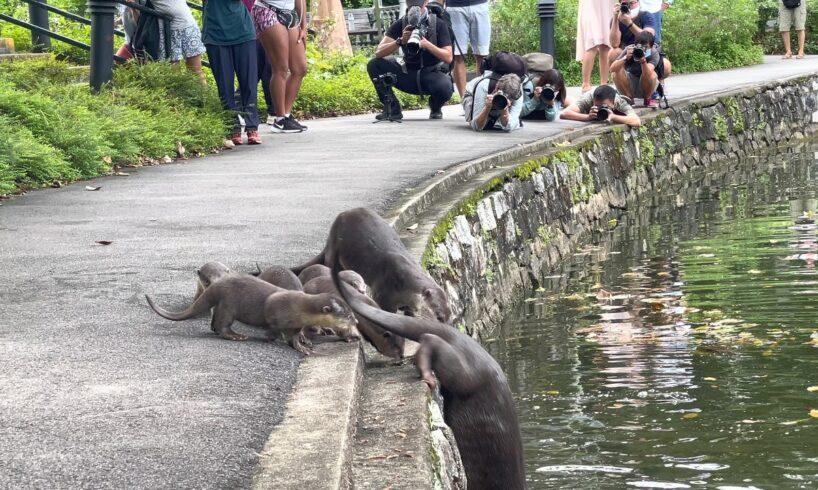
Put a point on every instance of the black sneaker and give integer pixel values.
(395, 116)
(436, 114)
(285, 125)
(291, 118)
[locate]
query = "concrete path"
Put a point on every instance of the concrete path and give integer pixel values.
(98, 391)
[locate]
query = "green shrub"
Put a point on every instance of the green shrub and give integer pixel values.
(25, 162)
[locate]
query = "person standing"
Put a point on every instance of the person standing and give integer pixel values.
(230, 39)
(281, 26)
(655, 8)
(792, 17)
(185, 36)
(471, 24)
(593, 37)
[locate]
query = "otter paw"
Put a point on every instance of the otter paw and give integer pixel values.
(430, 381)
(233, 336)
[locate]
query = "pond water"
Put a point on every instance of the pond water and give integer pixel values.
(678, 348)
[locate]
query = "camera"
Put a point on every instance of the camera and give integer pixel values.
(603, 113)
(419, 30)
(548, 93)
(498, 103)
(386, 79)
(624, 8)
(638, 53)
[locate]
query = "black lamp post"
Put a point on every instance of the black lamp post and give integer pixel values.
(102, 42)
(38, 16)
(547, 11)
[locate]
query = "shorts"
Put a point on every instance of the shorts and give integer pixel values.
(184, 43)
(635, 83)
(796, 17)
(472, 27)
(265, 17)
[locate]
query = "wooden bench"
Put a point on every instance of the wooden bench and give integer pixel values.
(364, 31)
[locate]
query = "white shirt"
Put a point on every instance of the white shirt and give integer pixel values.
(651, 6)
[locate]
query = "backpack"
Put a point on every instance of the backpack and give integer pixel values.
(792, 4)
(145, 40)
(536, 64)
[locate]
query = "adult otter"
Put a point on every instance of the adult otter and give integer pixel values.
(208, 274)
(477, 401)
(280, 276)
(319, 270)
(257, 303)
(385, 342)
(362, 241)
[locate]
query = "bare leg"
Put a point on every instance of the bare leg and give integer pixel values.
(613, 54)
(587, 67)
(785, 36)
(648, 81)
(801, 35)
(194, 64)
(298, 69)
(621, 82)
(459, 74)
(604, 64)
(275, 41)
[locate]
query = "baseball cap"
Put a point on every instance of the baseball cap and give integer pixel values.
(414, 3)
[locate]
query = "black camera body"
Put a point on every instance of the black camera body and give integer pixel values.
(498, 102)
(603, 112)
(386, 80)
(548, 93)
(638, 53)
(624, 8)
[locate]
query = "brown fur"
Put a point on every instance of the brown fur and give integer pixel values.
(280, 276)
(319, 270)
(362, 241)
(208, 274)
(257, 303)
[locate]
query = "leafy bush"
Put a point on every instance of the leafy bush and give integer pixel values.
(767, 32)
(698, 34)
(26, 162)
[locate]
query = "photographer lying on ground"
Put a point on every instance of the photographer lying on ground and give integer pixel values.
(639, 69)
(603, 104)
(630, 22)
(545, 100)
(495, 104)
(427, 48)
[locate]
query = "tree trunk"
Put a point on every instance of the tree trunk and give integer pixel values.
(330, 23)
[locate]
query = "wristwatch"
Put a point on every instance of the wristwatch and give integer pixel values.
(398, 42)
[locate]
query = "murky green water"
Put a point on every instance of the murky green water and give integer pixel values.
(679, 350)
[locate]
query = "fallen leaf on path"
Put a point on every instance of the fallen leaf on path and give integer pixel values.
(412, 227)
(376, 457)
(104, 242)
(92, 188)
(121, 174)
(812, 388)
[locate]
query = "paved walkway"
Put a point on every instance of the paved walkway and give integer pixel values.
(98, 391)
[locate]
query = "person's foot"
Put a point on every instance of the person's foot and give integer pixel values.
(285, 125)
(800, 55)
(786, 56)
(253, 137)
(436, 114)
(396, 115)
(651, 102)
(236, 138)
(303, 128)
(585, 88)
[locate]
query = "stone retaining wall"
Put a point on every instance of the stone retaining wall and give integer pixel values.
(498, 242)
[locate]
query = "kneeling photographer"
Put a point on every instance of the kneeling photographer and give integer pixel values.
(603, 104)
(424, 70)
(639, 69)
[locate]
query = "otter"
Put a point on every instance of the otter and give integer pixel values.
(280, 276)
(319, 270)
(208, 274)
(477, 401)
(362, 241)
(384, 341)
(257, 303)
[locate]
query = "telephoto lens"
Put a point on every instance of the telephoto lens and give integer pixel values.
(548, 93)
(499, 102)
(624, 8)
(638, 53)
(603, 113)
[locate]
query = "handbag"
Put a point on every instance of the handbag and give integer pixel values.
(792, 4)
(145, 41)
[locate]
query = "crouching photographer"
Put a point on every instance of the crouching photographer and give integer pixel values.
(603, 104)
(424, 70)
(639, 69)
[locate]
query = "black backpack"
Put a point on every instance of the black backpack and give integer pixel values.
(438, 12)
(145, 40)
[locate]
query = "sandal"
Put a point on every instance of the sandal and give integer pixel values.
(800, 57)
(787, 56)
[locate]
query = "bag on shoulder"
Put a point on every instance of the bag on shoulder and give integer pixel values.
(145, 41)
(792, 4)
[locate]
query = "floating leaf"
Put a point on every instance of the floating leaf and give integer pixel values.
(709, 378)
(753, 271)
(812, 388)
(552, 392)
(412, 227)
(691, 415)
(814, 413)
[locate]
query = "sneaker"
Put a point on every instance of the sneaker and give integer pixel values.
(436, 114)
(652, 103)
(271, 118)
(396, 116)
(253, 138)
(236, 138)
(285, 125)
(303, 128)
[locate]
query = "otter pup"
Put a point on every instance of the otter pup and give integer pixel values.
(362, 241)
(257, 303)
(280, 276)
(319, 270)
(477, 401)
(208, 274)
(384, 341)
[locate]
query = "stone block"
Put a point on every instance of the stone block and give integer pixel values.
(485, 214)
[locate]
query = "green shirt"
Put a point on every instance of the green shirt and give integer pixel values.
(226, 22)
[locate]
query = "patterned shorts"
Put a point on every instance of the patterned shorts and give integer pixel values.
(265, 17)
(184, 43)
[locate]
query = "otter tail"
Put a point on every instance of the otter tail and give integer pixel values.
(318, 259)
(201, 305)
(405, 326)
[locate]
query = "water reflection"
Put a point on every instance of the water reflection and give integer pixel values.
(676, 350)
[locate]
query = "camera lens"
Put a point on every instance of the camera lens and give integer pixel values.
(638, 53)
(624, 8)
(413, 44)
(499, 102)
(603, 113)
(548, 94)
